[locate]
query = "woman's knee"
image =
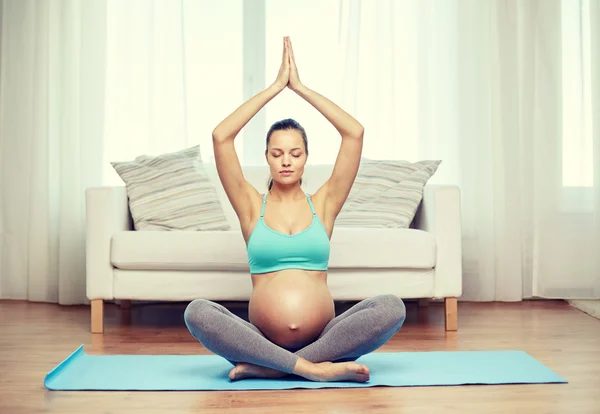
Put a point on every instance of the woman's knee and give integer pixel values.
(196, 314)
(392, 309)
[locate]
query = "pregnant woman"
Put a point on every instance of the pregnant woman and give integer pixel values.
(293, 328)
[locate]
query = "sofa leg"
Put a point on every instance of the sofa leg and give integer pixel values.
(451, 314)
(97, 316)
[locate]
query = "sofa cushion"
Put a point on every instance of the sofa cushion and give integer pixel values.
(386, 193)
(382, 248)
(172, 191)
(226, 250)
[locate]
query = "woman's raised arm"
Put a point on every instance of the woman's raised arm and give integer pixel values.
(236, 187)
(337, 188)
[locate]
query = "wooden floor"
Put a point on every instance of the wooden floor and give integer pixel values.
(35, 337)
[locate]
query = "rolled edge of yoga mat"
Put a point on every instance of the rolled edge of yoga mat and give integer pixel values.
(56, 371)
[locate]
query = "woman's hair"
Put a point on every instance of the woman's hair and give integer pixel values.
(286, 124)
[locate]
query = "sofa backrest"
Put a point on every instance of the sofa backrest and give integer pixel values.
(258, 175)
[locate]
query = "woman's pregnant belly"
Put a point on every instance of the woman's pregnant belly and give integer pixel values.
(291, 307)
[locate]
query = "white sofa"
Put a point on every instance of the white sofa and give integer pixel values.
(423, 261)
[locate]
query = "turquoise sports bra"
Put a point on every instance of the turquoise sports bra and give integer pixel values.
(269, 250)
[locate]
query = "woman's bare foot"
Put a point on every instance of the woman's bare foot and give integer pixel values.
(323, 371)
(342, 371)
(338, 371)
(243, 370)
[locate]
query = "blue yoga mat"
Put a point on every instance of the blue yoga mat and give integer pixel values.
(81, 371)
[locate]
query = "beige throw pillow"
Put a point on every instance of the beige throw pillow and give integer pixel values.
(171, 192)
(386, 193)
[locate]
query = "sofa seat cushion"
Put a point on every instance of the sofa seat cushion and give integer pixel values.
(226, 250)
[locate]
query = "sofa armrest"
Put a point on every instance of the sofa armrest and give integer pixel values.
(440, 214)
(107, 212)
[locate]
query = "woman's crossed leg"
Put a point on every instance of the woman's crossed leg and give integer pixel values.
(360, 330)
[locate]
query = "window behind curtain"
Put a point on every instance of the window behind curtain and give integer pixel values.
(174, 71)
(314, 28)
(576, 89)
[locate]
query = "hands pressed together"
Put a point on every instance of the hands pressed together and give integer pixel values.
(288, 72)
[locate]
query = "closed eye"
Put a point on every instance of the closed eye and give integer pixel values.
(293, 155)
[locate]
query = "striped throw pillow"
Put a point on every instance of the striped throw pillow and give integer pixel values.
(386, 193)
(171, 192)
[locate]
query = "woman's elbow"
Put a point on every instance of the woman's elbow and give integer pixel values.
(219, 137)
(360, 131)
(356, 133)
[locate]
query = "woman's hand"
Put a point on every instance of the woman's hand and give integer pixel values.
(294, 80)
(284, 71)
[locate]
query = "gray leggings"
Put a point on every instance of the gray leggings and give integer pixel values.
(361, 329)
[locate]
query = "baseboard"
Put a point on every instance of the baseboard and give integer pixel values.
(589, 306)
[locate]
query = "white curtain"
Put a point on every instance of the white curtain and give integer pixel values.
(173, 70)
(86, 83)
(506, 93)
(51, 129)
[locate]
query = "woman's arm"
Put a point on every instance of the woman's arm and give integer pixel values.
(233, 124)
(347, 126)
(337, 188)
(236, 187)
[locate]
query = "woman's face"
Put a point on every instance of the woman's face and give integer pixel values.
(286, 156)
